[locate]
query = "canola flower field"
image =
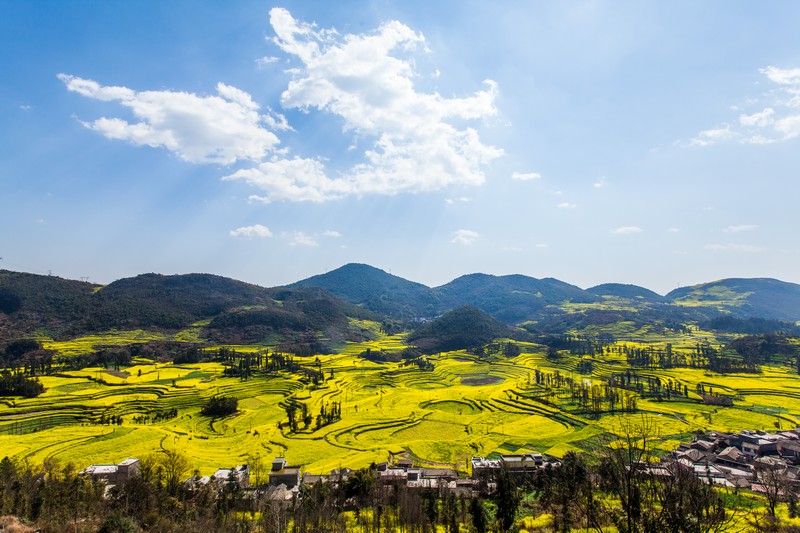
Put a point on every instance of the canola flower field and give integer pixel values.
(466, 406)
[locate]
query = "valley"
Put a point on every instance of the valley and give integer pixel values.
(466, 405)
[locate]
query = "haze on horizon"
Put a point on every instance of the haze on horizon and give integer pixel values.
(648, 143)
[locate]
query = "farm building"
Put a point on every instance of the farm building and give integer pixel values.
(112, 473)
(283, 474)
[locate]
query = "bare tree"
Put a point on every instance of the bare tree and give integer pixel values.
(175, 466)
(623, 471)
(772, 475)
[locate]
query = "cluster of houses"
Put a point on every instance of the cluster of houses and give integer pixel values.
(737, 460)
(285, 480)
(742, 460)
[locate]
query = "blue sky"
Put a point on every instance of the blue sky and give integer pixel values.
(654, 143)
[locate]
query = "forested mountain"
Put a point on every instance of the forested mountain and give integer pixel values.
(171, 302)
(234, 311)
(511, 299)
(376, 290)
(517, 298)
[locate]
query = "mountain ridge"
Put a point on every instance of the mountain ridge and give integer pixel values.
(32, 304)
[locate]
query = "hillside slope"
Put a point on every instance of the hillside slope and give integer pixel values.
(30, 302)
(743, 297)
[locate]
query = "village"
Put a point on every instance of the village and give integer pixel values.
(766, 463)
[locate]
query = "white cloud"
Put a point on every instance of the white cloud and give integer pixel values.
(525, 176)
(713, 135)
(777, 122)
(781, 76)
(566, 205)
(740, 228)
(542, 246)
(256, 230)
(298, 238)
(292, 179)
(199, 129)
(367, 81)
(627, 230)
(464, 237)
(510, 249)
(25, 107)
(744, 248)
(332, 234)
(760, 119)
(600, 182)
(674, 230)
(415, 141)
(276, 121)
(266, 60)
(789, 127)
(461, 199)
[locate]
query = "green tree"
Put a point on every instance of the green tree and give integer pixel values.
(507, 497)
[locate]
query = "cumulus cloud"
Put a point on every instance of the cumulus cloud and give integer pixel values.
(464, 237)
(740, 228)
(219, 129)
(296, 179)
(743, 248)
(525, 176)
(256, 230)
(626, 230)
(410, 140)
(332, 234)
(298, 238)
(366, 80)
(600, 182)
(778, 121)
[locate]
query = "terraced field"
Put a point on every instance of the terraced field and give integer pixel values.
(465, 406)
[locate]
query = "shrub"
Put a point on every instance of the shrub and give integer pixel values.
(220, 406)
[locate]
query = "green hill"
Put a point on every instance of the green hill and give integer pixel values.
(462, 328)
(757, 297)
(631, 292)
